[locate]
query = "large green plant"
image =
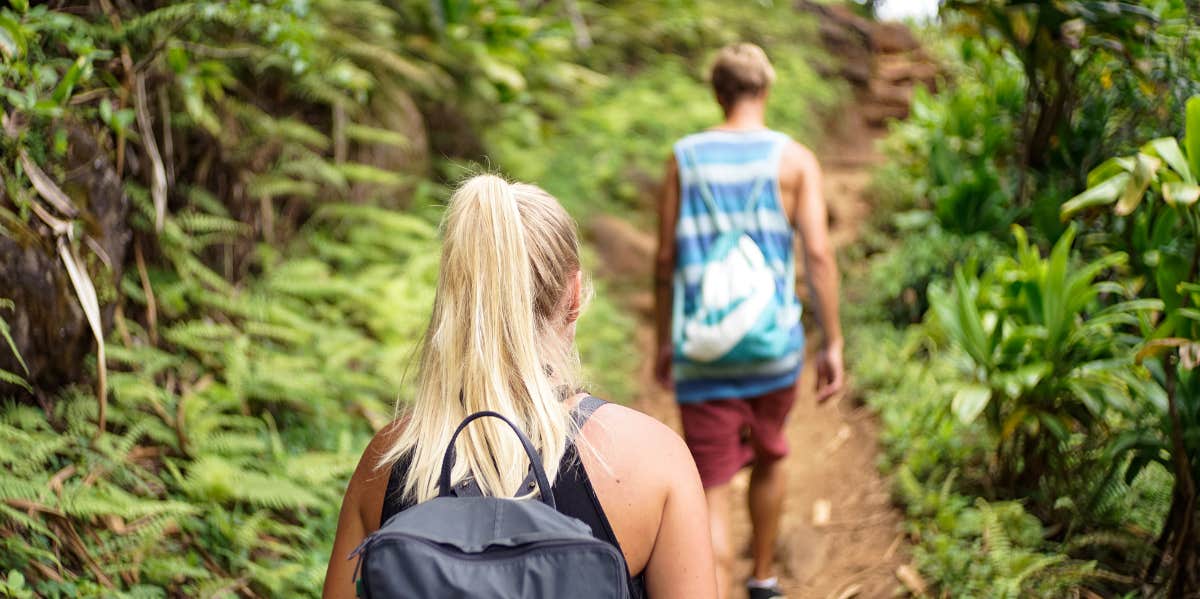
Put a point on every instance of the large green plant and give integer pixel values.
(1043, 360)
(953, 155)
(1155, 196)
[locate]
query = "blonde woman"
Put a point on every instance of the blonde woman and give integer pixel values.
(501, 338)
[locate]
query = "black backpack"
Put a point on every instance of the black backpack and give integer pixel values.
(488, 547)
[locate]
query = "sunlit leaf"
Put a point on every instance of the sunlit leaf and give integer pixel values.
(969, 401)
(1178, 193)
(1105, 193)
(1135, 189)
(66, 85)
(1109, 168)
(12, 37)
(1191, 139)
(1167, 148)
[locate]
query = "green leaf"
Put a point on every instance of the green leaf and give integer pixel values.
(14, 379)
(970, 322)
(1110, 168)
(1135, 190)
(62, 92)
(6, 335)
(177, 59)
(1178, 193)
(1027, 377)
(1172, 270)
(969, 402)
(501, 73)
(1191, 139)
(1055, 425)
(12, 37)
(1099, 195)
(1167, 148)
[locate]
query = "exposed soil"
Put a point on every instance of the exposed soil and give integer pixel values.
(841, 534)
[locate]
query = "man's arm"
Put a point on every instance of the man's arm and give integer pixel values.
(820, 262)
(664, 270)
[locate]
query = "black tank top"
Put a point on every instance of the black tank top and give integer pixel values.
(573, 494)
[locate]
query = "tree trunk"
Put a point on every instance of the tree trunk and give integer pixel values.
(1183, 579)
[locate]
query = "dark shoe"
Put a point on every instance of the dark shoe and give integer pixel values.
(772, 592)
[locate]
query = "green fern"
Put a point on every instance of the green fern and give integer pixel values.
(6, 335)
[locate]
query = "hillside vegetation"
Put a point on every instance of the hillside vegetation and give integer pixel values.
(218, 226)
(1026, 320)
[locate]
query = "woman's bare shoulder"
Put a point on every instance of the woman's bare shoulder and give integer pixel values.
(633, 442)
(369, 482)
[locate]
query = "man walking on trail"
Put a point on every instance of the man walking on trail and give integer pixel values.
(728, 319)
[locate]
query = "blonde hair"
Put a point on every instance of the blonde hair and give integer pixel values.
(740, 70)
(499, 339)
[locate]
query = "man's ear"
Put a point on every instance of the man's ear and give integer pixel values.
(575, 295)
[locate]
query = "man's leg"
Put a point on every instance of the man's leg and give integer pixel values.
(768, 478)
(718, 518)
(712, 430)
(768, 484)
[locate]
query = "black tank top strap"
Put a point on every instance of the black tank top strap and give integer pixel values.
(585, 408)
(576, 497)
(573, 491)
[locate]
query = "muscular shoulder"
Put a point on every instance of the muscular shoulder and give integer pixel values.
(796, 160)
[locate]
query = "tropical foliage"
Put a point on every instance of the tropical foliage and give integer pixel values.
(279, 169)
(1055, 366)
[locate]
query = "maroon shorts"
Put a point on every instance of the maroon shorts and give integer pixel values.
(725, 435)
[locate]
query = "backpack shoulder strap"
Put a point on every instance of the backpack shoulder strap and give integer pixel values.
(693, 167)
(580, 415)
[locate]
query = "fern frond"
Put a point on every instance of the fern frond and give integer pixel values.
(375, 135)
(994, 536)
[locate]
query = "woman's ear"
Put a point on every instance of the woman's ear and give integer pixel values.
(575, 297)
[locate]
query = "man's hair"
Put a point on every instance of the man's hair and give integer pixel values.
(740, 70)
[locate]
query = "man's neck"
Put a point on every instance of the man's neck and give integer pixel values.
(745, 116)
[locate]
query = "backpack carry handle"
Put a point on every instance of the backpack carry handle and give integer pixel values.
(539, 473)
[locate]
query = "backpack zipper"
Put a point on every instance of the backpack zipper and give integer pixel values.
(360, 553)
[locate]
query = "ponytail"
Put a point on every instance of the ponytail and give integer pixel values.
(498, 339)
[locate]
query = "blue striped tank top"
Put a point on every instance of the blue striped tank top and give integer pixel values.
(733, 165)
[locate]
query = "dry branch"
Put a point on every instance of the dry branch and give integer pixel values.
(158, 172)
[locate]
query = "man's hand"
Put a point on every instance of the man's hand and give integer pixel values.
(662, 366)
(831, 372)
